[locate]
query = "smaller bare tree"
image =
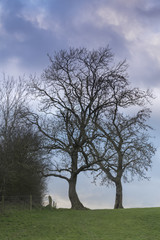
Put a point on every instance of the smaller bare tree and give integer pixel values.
(124, 150)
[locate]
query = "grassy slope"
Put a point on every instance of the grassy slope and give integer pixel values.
(125, 224)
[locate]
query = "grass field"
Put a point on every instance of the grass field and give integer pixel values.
(124, 224)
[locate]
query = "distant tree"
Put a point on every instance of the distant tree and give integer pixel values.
(21, 156)
(124, 149)
(73, 93)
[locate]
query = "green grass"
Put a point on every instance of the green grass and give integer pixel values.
(124, 224)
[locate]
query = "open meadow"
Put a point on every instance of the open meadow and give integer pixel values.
(65, 224)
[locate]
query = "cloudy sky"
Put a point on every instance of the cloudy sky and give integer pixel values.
(31, 29)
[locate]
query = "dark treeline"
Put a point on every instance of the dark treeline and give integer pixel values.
(80, 125)
(21, 153)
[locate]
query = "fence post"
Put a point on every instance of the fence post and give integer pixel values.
(30, 201)
(2, 203)
(50, 202)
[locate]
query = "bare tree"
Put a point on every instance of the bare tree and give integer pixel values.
(73, 93)
(125, 150)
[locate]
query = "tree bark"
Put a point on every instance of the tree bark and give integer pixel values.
(118, 200)
(75, 202)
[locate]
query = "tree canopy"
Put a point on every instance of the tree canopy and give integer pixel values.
(75, 94)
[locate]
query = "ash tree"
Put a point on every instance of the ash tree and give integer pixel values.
(73, 93)
(125, 150)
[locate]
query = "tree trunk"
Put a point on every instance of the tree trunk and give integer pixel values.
(75, 202)
(118, 200)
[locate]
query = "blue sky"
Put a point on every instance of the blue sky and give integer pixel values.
(31, 29)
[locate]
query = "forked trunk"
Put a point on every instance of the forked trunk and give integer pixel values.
(118, 200)
(75, 202)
